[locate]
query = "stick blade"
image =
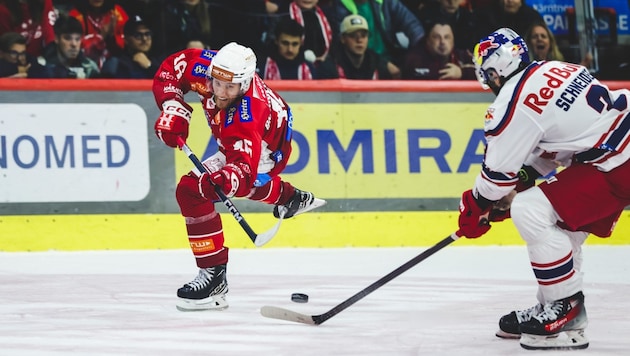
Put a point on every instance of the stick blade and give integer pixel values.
(288, 315)
(266, 236)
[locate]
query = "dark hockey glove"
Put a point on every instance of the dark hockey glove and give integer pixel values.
(472, 212)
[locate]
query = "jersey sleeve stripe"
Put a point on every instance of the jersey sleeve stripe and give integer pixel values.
(498, 178)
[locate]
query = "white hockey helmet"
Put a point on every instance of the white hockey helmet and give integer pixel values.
(504, 53)
(235, 64)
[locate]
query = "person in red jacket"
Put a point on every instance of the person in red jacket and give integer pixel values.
(252, 125)
(33, 19)
(103, 24)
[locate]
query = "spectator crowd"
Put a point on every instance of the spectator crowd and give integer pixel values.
(300, 39)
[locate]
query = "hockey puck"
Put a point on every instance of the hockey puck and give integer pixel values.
(299, 298)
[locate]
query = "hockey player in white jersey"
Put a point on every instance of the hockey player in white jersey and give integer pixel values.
(547, 116)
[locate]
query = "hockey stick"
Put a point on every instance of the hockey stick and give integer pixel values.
(257, 239)
(285, 314)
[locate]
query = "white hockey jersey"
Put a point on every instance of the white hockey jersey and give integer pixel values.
(549, 115)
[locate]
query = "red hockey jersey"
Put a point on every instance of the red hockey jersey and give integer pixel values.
(254, 133)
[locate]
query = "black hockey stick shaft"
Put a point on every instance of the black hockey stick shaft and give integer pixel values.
(224, 198)
(385, 279)
(285, 314)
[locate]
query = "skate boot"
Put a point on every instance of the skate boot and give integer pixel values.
(205, 292)
(565, 317)
(301, 202)
(509, 323)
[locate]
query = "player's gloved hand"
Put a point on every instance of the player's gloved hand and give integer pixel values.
(173, 122)
(228, 178)
(497, 215)
(472, 221)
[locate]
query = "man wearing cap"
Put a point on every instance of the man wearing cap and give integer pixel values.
(352, 59)
(393, 27)
(135, 62)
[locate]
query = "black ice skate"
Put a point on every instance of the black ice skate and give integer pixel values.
(301, 202)
(205, 292)
(509, 323)
(565, 316)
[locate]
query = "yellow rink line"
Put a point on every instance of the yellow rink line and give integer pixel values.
(167, 231)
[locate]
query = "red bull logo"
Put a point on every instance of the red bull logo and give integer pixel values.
(484, 46)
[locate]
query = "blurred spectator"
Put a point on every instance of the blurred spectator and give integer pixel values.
(102, 22)
(354, 60)
(197, 43)
(318, 34)
(435, 57)
(514, 14)
(135, 62)
(15, 62)
(140, 8)
(63, 6)
(33, 19)
(229, 19)
(176, 22)
(286, 58)
(65, 58)
(542, 45)
(416, 5)
(460, 18)
(393, 27)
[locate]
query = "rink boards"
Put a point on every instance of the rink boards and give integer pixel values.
(313, 230)
(80, 167)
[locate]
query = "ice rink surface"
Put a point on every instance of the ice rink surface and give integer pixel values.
(123, 302)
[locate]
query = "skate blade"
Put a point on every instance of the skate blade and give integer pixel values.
(210, 303)
(314, 205)
(505, 335)
(567, 340)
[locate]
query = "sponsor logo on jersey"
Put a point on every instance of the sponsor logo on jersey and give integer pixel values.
(202, 89)
(164, 75)
(229, 117)
(170, 88)
(556, 77)
(207, 54)
(489, 114)
(245, 109)
(199, 70)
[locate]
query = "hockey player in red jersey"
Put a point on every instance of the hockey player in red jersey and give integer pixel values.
(252, 125)
(548, 115)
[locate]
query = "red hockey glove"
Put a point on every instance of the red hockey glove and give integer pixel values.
(471, 223)
(228, 178)
(173, 122)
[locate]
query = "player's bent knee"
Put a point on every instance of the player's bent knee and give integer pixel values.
(532, 213)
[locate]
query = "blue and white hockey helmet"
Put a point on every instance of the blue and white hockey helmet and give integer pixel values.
(501, 53)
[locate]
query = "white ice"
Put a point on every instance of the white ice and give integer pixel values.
(123, 302)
